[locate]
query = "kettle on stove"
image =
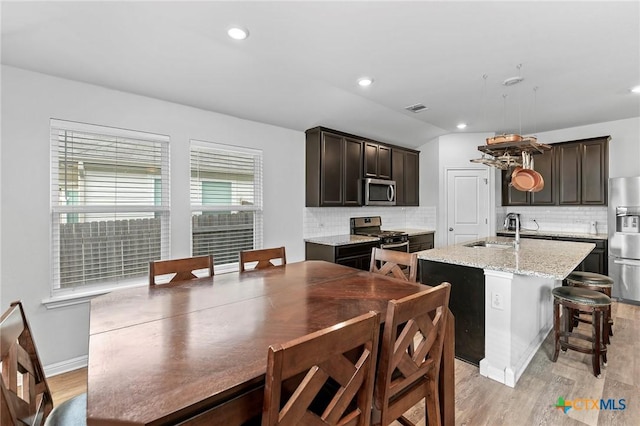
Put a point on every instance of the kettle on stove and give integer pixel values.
(511, 220)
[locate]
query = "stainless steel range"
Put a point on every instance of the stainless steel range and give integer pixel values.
(372, 226)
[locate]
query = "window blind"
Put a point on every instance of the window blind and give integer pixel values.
(226, 201)
(110, 204)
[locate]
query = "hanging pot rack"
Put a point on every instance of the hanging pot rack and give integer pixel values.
(509, 154)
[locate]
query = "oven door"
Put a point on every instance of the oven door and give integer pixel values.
(404, 246)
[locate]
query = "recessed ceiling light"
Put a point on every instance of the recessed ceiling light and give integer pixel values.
(636, 89)
(238, 33)
(461, 125)
(365, 81)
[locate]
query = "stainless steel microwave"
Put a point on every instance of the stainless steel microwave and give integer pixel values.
(378, 192)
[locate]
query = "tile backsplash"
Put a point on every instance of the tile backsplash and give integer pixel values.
(559, 219)
(325, 221)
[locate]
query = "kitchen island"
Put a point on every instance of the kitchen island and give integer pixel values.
(505, 294)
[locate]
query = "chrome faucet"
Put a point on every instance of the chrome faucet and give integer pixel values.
(516, 243)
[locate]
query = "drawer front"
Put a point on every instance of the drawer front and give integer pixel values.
(354, 250)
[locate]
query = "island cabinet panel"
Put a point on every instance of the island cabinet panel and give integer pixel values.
(405, 172)
(333, 169)
(377, 161)
(466, 302)
(354, 255)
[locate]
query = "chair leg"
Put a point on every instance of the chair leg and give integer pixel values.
(432, 404)
(597, 342)
(556, 330)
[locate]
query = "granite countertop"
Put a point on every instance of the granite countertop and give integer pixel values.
(414, 231)
(341, 240)
(559, 234)
(541, 258)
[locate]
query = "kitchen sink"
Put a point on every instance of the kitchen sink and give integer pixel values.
(488, 244)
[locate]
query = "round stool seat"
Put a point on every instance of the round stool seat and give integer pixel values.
(581, 296)
(589, 278)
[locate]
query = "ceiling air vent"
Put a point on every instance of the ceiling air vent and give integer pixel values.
(416, 108)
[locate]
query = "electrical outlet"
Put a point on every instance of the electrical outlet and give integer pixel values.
(496, 301)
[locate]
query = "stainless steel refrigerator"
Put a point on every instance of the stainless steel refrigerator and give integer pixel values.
(624, 238)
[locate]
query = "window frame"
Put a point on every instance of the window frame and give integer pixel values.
(61, 296)
(256, 207)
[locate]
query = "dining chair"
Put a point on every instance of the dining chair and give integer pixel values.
(263, 257)
(410, 354)
(338, 369)
(182, 268)
(26, 397)
(391, 263)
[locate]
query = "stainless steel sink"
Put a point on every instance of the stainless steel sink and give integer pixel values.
(490, 245)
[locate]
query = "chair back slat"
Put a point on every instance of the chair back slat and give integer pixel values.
(264, 257)
(27, 401)
(182, 268)
(391, 262)
(411, 350)
(337, 367)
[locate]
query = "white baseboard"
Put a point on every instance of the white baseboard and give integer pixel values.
(66, 366)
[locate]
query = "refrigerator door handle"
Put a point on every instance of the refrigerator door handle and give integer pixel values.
(627, 262)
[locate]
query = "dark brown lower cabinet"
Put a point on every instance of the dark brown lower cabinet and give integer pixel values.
(420, 242)
(355, 255)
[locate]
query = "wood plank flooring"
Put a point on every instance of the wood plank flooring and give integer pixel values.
(481, 401)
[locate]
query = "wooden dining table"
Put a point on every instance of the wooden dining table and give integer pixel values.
(195, 352)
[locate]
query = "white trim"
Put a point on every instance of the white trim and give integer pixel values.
(76, 297)
(112, 131)
(66, 366)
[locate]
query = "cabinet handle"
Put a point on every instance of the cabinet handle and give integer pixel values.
(450, 229)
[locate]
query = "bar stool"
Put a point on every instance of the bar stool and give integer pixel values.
(596, 282)
(584, 300)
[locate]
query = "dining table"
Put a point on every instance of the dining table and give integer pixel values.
(195, 352)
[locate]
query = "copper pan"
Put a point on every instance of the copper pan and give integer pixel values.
(523, 179)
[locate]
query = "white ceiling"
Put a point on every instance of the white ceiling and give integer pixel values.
(298, 69)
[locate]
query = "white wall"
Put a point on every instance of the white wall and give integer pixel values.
(29, 100)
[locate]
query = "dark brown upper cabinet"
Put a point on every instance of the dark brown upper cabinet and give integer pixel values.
(575, 173)
(377, 161)
(405, 171)
(333, 169)
(583, 171)
(543, 164)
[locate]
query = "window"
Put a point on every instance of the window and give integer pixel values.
(226, 202)
(110, 205)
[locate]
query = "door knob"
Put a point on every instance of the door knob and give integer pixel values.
(450, 229)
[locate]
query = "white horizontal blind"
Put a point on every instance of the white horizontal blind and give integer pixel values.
(110, 204)
(226, 201)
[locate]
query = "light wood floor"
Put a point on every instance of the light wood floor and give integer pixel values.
(481, 401)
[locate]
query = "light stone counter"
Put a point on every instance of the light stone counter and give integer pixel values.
(539, 258)
(341, 240)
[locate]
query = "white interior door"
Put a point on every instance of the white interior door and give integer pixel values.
(467, 205)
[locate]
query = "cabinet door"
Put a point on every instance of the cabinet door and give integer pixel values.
(568, 167)
(544, 164)
(397, 168)
(594, 172)
(384, 162)
(331, 175)
(352, 171)
(371, 160)
(411, 179)
(510, 195)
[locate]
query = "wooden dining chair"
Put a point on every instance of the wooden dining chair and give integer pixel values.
(391, 263)
(26, 397)
(263, 257)
(338, 364)
(410, 354)
(182, 268)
